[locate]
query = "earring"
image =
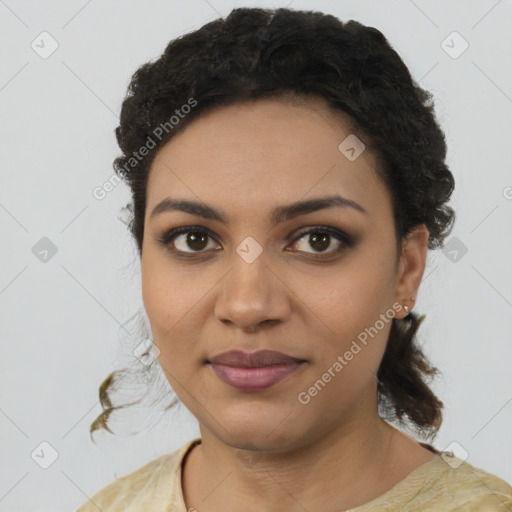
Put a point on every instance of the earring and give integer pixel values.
(406, 309)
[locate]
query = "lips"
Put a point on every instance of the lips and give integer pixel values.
(260, 358)
(254, 371)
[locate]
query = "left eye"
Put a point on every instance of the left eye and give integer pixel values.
(320, 239)
(184, 238)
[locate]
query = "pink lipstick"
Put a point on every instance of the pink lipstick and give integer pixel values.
(254, 371)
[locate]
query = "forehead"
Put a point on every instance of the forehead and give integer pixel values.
(256, 155)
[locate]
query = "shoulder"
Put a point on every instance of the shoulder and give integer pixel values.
(456, 485)
(151, 485)
(477, 489)
(445, 484)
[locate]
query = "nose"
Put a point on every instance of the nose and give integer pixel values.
(252, 296)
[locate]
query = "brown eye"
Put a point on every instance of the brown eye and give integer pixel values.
(186, 240)
(189, 241)
(196, 240)
(319, 242)
(320, 239)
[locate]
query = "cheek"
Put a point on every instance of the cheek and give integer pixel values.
(353, 317)
(174, 301)
(163, 300)
(168, 293)
(350, 300)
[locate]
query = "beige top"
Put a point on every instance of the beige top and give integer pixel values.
(445, 484)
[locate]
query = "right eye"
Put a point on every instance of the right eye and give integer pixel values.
(178, 240)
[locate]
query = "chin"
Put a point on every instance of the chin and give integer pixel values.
(272, 433)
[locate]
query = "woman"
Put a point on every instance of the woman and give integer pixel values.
(288, 178)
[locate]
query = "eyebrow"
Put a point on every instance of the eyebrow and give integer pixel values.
(278, 215)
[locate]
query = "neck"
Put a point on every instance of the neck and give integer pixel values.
(349, 466)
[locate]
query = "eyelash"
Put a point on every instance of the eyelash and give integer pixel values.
(170, 235)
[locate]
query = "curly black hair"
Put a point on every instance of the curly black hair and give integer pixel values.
(256, 53)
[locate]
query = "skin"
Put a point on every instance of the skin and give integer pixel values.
(334, 452)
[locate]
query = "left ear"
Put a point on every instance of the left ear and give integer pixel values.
(411, 267)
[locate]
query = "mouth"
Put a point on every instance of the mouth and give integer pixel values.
(254, 371)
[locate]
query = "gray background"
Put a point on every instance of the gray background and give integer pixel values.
(61, 319)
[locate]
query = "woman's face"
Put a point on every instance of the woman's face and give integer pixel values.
(262, 281)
